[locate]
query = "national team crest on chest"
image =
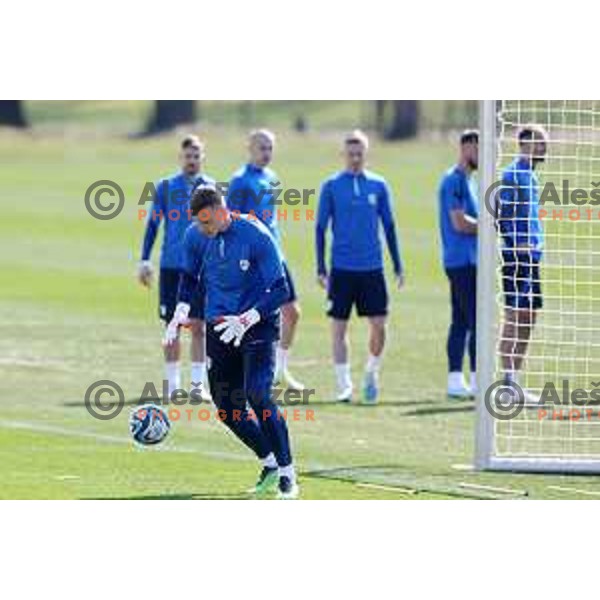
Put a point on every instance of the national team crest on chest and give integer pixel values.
(372, 199)
(244, 264)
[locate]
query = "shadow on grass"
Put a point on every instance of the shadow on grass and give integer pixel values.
(440, 410)
(180, 496)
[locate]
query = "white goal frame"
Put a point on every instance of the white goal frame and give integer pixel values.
(486, 456)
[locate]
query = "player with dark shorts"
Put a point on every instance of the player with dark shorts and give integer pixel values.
(521, 280)
(365, 290)
(171, 207)
(251, 191)
(238, 267)
(522, 234)
(355, 202)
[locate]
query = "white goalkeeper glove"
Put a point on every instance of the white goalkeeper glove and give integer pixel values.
(234, 327)
(145, 272)
(180, 317)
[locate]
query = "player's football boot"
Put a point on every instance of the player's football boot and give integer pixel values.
(344, 394)
(458, 388)
(285, 378)
(531, 400)
(267, 481)
(370, 388)
(288, 489)
(460, 393)
(517, 396)
(204, 392)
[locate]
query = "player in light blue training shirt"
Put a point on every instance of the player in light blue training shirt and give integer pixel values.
(171, 208)
(239, 268)
(250, 191)
(522, 237)
(458, 212)
(356, 203)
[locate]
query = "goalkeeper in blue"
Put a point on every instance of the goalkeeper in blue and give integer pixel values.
(251, 190)
(355, 202)
(458, 227)
(234, 262)
(171, 208)
(520, 228)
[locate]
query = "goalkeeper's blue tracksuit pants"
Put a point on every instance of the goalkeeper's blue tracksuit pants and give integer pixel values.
(463, 296)
(242, 378)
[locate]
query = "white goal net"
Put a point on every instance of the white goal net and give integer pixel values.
(554, 424)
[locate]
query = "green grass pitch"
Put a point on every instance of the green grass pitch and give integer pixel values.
(72, 313)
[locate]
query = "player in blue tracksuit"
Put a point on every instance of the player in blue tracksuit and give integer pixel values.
(355, 202)
(240, 272)
(522, 236)
(250, 191)
(458, 214)
(171, 208)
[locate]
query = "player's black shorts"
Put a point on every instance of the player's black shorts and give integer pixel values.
(168, 284)
(521, 280)
(293, 296)
(365, 289)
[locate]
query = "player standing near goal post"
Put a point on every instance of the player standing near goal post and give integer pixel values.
(251, 191)
(239, 269)
(170, 206)
(355, 201)
(458, 227)
(523, 239)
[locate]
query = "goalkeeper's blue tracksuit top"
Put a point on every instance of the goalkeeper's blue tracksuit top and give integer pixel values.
(518, 214)
(457, 192)
(355, 203)
(238, 269)
(170, 206)
(250, 190)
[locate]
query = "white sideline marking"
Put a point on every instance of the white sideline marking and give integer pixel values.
(114, 439)
(387, 488)
(567, 490)
(32, 363)
(463, 467)
(491, 488)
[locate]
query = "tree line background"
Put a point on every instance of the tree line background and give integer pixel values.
(392, 119)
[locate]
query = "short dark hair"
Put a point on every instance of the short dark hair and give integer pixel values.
(191, 141)
(469, 136)
(531, 132)
(205, 196)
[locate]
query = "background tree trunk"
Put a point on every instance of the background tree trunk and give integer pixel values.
(397, 119)
(12, 113)
(168, 114)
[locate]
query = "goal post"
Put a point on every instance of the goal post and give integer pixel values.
(560, 432)
(486, 284)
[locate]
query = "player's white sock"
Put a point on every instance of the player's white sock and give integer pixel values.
(281, 359)
(269, 461)
(288, 471)
(342, 375)
(198, 373)
(373, 363)
(473, 382)
(456, 381)
(173, 376)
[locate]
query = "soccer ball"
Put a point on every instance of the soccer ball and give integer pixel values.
(149, 424)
